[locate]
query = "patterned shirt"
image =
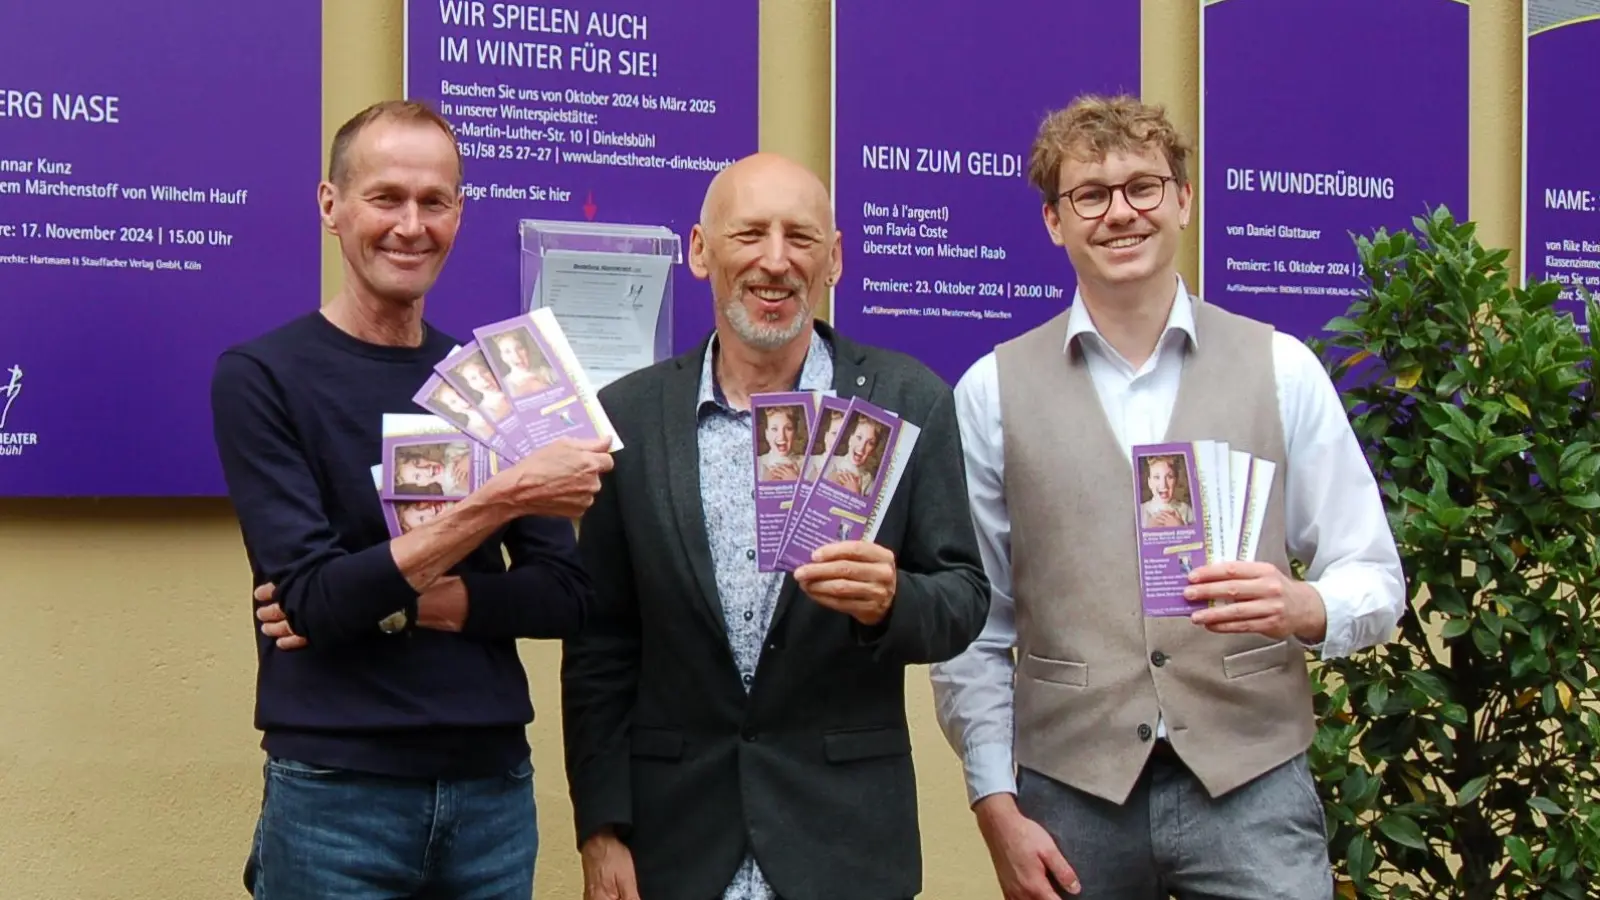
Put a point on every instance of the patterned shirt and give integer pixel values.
(728, 495)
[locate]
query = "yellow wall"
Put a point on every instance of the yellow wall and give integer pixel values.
(124, 625)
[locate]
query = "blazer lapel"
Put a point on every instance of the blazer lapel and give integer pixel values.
(679, 395)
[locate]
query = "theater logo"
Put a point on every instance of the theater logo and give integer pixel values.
(12, 441)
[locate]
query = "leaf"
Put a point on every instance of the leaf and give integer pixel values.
(1585, 501)
(1361, 857)
(1406, 379)
(1546, 805)
(1471, 790)
(1520, 854)
(1516, 403)
(1346, 890)
(1565, 693)
(1455, 628)
(1403, 830)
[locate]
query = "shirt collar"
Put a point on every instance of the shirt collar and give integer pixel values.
(816, 374)
(1180, 320)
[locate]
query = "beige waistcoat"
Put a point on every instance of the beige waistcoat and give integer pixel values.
(1093, 673)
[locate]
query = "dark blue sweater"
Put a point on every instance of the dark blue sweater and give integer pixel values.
(298, 423)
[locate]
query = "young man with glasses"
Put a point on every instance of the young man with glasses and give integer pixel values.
(1119, 755)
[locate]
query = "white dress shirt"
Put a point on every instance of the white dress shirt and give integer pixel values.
(1334, 519)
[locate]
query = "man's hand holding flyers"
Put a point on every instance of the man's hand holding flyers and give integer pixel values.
(857, 578)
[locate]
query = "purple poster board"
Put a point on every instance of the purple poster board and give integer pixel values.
(1298, 153)
(945, 250)
(158, 176)
(618, 114)
(1561, 184)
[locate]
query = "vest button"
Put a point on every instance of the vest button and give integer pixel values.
(1144, 732)
(1158, 659)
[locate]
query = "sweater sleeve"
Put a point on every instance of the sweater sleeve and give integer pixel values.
(329, 595)
(545, 593)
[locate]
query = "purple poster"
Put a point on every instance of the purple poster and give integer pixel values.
(1561, 191)
(945, 250)
(1299, 152)
(158, 174)
(613, 115)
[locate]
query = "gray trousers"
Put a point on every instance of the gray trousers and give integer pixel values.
(1264, 840)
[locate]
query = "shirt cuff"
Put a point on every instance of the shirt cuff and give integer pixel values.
(989, 770)
(1338, 624)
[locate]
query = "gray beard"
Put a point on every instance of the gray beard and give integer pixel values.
(761, 335)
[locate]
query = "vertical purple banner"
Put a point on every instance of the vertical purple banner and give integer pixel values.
(945, 249)
(1299, 155)
(620, 115)
(1561, 183)
(158, 173)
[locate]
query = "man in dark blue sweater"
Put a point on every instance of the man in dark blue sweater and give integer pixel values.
(391, 698)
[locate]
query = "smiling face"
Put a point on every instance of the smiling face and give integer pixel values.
(1135, 240)
(512, 352)
(767, 245)
(780, 431)
(1162, 480)
(395, 207)
(1113, 176)
(863, 440)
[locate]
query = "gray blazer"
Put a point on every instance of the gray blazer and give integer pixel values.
(812, 771)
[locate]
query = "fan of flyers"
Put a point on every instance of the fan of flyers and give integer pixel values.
(825, 469)
(1197, 503)
(515, 388)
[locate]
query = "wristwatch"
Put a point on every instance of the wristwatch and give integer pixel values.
(395, 622)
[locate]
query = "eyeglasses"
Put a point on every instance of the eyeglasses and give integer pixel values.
(1091, 201)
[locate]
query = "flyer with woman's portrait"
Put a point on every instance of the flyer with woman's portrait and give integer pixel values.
(402, 516)
(782, 423)
(857, 481)
(425, 457)
(546, 386)
(468, 371)
(442, 399)
(1170, 523)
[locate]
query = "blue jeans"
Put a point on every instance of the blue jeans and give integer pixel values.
(326, 833)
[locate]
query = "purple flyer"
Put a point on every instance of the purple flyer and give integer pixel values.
(1297, 159)
(468, 371)
(1561, 185)
(547, 401)
(402, 516)
(158, 168)
(617, 114)
(824, 435)
(843, 504)
(946, 253)
(443, 400)
(782, 425)
(445, 466)
(1169, 521)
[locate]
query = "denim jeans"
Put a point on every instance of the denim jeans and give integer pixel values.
(326, 833)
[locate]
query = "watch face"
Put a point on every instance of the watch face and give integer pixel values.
(395, 622)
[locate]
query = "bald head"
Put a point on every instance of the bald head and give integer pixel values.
(766, 242)
(762, 173)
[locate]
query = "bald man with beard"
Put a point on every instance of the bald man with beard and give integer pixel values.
(738, 734)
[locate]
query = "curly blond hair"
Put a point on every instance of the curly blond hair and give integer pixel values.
(1093, 126)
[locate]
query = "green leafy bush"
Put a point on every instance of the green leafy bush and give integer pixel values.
(1460, 760)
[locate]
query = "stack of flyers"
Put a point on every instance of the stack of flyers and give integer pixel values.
(403, 515)
(516, 388)
(1197, 503)
(825, 469)
(428, 465)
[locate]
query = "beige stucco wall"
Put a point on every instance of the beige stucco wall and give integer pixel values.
(128, 766)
